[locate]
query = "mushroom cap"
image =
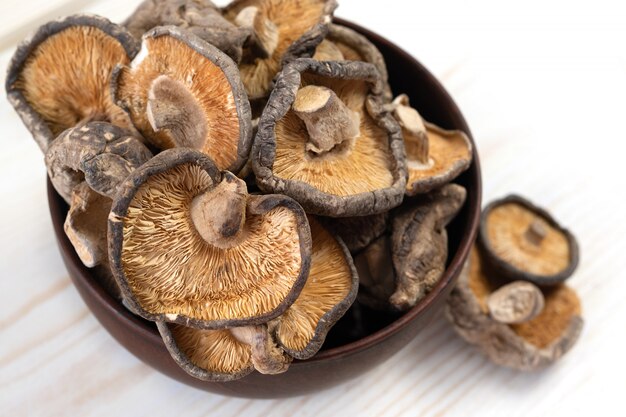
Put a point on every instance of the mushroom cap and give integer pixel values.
(450, 153)
(352, 46)
(208, 355)
(532, 345)
(330, 290)
(201, 17)
(366, 176)
(86, 225)
(420, 243)
(376, 274)
(207, 81)
(53, 90)
(503, 227)
(167, 271)
(97, 152)
(358, 232)
(301, 26)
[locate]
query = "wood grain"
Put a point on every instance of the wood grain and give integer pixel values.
(542, 86)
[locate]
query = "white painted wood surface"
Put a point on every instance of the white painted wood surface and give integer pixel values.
(542, 85)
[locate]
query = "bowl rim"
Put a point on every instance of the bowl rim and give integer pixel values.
(145, 329)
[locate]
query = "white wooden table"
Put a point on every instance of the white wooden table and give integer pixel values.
(543, 86)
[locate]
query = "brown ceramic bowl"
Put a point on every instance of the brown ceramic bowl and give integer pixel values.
(362, 339)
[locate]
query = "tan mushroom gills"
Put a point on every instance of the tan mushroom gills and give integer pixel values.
(220, 213)
(329, 122)
(536, 233)
(173, 107)
(266, 33)
(267, 357)
(415, 135)
(517, 302)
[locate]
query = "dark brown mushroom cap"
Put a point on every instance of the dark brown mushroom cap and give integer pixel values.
(524, 242)
(528, 346)
(343, 43)
(97, 152)
(208, 355)
(201, 17)
(330, 290)
(366, 176)
(60, 76)
(298, 28)
(86, 224)
(376, 274)
(420, 243)
(183, 92)
(450, 153)
(168, 271)
(357, 232)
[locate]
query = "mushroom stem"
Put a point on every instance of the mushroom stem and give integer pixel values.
(517, 302)
(267, 358)
(413, 129)
(173, 107)
(264, 32)
(535, 233)
(220, 213)
(328, 120)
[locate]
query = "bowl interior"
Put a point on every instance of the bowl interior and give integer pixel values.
(362, 338)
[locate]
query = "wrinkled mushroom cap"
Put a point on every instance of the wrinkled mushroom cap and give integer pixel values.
(450, 153)
(420, 243)
(99, 153)
(376, 274)
(527, 346)
(61, 75)
(201, 17)
(329, 291)
(343, 43)
(167, 271)
(523, 241)
(362, 176)
(86, 225)
(358, 232)
(181, 91)
(300, 26)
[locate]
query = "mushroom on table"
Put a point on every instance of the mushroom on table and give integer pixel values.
(524, 242)
(532, 344)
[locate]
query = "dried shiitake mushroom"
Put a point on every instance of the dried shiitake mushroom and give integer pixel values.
(420, 243)
(99, 153)
(282, 30)
(376, 274)
(187, 244)
(86, 224)
(223, 354)
(516, 302)
(329, 291)
(533, 344)
(434, 156)
(324, 140)
(201, 17)
(345, 44)
(524, 242)
(183, 92)
(61, 75)
(358, 232)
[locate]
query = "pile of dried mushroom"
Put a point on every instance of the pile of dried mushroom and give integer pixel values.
(215, 160)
